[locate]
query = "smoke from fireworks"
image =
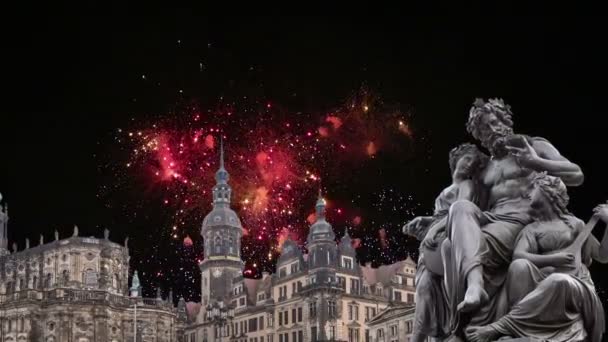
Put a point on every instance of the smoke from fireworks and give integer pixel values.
(277, 161)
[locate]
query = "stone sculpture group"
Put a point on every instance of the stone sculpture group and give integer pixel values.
(502, 256)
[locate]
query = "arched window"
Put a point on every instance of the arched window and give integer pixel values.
(35, 282)
(218, 245)
(230, 245)
(9, 288)
(21, 284)
(47, 280)
(21, 324)
(65, 276)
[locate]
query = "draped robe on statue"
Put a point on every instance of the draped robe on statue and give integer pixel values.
(552, 306)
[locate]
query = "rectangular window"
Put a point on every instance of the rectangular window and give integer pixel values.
(410, 297)
(393, 330)
(282, 272)
(347, 263)
(354, 286)
(280, 337)
(280, 318)
(293, 316)
(293, 288)
(408, 327)
(312, 309)
(300, 336)
(286, 315)
(398, 296)
(242, 301)
(300, 314)
(286, 337)
(350, 312)
(313, 334)
(331, 308)
(332, 332)
(253, 324)
(294, 336)
(294, 268)
(261, 322)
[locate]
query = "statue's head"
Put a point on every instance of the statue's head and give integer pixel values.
(491, 123)
(466, 161)
(549, 196)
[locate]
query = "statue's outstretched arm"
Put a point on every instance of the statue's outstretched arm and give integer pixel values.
(599, 250)
(542, 156)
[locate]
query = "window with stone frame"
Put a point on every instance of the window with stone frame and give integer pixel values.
(354, 286)
(312, 309)
(410, 297)
(394, 330)
(331, 308)
(347, 262)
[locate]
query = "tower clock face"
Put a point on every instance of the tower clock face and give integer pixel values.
(217, 272)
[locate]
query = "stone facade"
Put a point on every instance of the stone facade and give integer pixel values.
(76, 290)
(393, 324)
(323, 295)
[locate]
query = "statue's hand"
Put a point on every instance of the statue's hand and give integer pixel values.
(413, 227)
(563, 260)
(602, 212)
(526, 156)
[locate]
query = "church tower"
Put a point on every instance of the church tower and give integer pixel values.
(221, 232)
(322, 249)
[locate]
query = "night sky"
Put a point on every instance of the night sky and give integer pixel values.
(365, 109)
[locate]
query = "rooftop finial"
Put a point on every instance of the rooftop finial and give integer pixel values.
(75, 231)
(221, 151)
(27, 243)
(320, 205)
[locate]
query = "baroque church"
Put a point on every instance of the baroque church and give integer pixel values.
(76, 290)
(322, 295)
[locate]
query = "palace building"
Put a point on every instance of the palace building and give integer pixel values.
(323, 295)
(77, 290)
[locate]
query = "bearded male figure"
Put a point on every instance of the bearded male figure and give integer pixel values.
(480, 243)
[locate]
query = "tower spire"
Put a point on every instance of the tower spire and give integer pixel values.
(221, 152)
(221, 190)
